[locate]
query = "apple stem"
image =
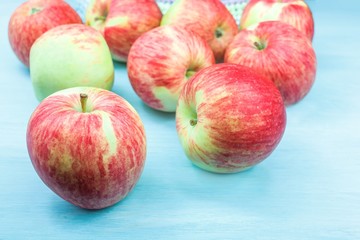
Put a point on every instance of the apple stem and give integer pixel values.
(218, 33)
(100, 18)
(190, 73)
(34, 10)
(259, 45)
(193, 122)
(83, 100)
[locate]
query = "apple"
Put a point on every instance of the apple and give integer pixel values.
(229, 118)
(294, 12)
(279, 51)
(87, 145)
(69, 56)
(122, 22)
(208, 18)
(34, 17)
(162, 60)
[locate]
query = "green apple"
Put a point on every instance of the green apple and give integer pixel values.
(70, 56)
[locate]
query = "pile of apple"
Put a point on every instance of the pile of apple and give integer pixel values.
(229, 85)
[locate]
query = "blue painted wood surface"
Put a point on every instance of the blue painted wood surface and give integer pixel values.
(307, 189)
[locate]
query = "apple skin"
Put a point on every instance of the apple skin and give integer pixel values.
(122, 22)
(92, 159)
(70, 56)
(229, 118)
(294, 12)
(208, 18)
(34, 17)
(287, 57)
(162, 60)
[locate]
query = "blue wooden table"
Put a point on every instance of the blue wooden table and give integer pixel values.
(309, 188)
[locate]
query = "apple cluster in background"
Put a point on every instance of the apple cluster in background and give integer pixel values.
(235, 7)
(228, 78)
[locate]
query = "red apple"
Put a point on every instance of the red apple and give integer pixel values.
(34, 17)
(280, 52)
(162, 60)
(87, 145)
(122, 22)
(229, 118)
(208, 18)
(294, 12)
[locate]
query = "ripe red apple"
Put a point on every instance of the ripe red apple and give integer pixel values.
(87, 145)
(208, 18)
(162, 60)
(294, 12)
(229, 118)
(122, 22)
(34, 17)
(279, 51)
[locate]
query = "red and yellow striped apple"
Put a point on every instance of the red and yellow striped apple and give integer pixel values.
(122, 22)
(87, 145)
(229, 118)
(210, 19)
(34, 17)
(279, 51)
(70, 56)
(162, 60)
(294, 12)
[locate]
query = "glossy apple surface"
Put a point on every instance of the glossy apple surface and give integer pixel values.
(210, 19)
(34, 17)
(294, 12)
(87, 145)
(162, 60)
(280, 52)
(122, 22)
(229, 118)
(70, 56)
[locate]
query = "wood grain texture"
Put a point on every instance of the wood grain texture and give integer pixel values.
(307, 189)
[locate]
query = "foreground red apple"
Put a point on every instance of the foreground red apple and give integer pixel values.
(34, 17)
(87, 145)
(162, 60)
(279, 51)
(229, 118)
(294, 12)
(122, 22)
(210, 19)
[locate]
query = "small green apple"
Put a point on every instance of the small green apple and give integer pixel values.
(70, 56)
